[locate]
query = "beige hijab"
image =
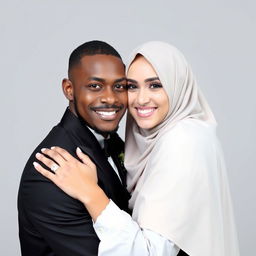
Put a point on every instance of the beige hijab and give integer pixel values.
(176, 172)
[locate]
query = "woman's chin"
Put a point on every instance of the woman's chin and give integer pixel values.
(146, 124)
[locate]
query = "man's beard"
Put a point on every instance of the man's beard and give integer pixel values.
(84, 122)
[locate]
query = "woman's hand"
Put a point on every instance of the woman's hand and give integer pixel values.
(69, 174)
(79, 180)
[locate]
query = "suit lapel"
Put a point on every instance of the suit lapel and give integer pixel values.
(101, 162)
(84, 138)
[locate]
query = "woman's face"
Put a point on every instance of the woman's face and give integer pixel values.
(147, 100)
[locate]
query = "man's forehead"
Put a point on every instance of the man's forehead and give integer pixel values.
(100, 64)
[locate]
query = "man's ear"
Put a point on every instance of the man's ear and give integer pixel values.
(67, 88)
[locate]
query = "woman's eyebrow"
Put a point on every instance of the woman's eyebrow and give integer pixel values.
(151, 79)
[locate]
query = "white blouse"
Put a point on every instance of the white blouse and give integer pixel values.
(119, 235)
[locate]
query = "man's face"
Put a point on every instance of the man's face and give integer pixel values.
(99, 91)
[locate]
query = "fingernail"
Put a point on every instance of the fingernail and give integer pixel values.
(52, 147)
(79, 150)
(38, 155)
(35, 164)
(43, 149)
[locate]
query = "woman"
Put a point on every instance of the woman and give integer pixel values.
(176, 173)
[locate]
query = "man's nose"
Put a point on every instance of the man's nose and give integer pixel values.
(109, 96)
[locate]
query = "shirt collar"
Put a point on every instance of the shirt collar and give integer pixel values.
(99, 137)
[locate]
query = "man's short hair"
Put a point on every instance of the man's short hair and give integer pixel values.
(88, 49)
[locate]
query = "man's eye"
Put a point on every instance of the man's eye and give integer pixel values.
(155, 86)
(94, 86)
(120, 86)
(131, 87)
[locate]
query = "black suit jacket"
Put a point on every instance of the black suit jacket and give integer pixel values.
(51, 222)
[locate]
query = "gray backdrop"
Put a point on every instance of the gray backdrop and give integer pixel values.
(217, 37)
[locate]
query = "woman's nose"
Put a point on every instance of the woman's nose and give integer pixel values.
(143, 97)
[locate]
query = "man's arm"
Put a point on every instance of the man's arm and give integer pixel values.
(60, 221)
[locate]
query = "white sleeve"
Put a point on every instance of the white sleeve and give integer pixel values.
(119, 235)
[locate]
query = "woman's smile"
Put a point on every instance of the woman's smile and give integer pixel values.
(145, 112)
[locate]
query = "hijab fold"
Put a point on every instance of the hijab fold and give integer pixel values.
(176, 171)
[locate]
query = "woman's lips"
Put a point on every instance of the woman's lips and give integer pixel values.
(145, 112)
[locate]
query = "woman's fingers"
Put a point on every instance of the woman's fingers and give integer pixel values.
(63, 153)
(58, 180)
(48, 162)
(85, 159)
(53, 155)
(73, 177)
(45, 173)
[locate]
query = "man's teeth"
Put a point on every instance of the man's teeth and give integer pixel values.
(145, 111)
(106, 113)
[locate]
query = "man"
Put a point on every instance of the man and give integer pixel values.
(50, 222)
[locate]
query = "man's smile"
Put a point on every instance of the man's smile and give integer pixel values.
(107, 115)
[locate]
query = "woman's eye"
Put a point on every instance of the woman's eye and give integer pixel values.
(155, 86)
(131, 86)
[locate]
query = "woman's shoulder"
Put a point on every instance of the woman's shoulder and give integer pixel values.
(189, 144)
(191, 132)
